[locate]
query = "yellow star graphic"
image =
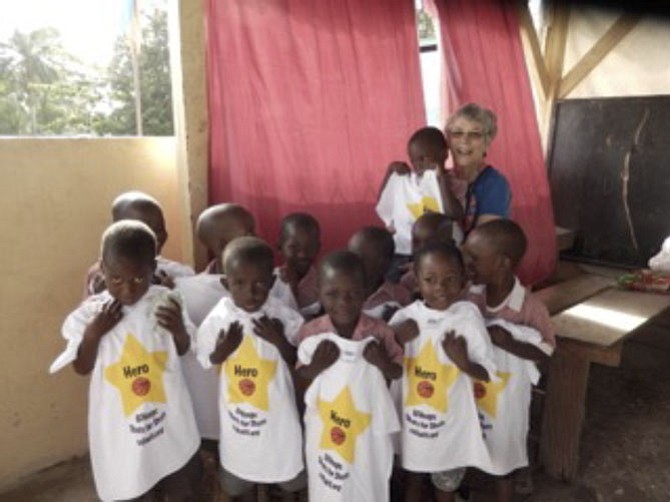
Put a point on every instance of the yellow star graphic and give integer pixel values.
(429, 380)
(342, 423)
(425, 205)
(249, 375)
(487, 393)
(138, 374)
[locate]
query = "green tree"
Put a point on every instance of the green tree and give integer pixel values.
(155, 86)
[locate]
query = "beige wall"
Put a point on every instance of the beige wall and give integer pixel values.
(54, 203)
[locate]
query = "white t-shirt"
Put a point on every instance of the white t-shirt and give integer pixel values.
(260, 437)
(440, 426)
(201, 293)
(504, 405)
(173, 268)
(403, 200)
(140, 418)
(349, 419)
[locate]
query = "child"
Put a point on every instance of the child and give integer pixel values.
(446, 344)
(374, 246)
(521, 333)
(220, 224)
(347, 356)
(141, 427)
(299, 243)
(139, 206)
(429, 184)
(252, 336)
(427, 228)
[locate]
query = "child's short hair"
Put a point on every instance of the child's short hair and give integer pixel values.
(381, 239)
(439, 223)
(304, 221)
(129, 239)
(430, 137)
(444, 249)
(227, 210)
(133, 200)
(506, 237)
(248, 250)
(342, 261)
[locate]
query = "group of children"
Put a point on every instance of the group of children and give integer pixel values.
(305, 376)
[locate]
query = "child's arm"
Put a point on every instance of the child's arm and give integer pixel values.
(272, 331)
(396, 167)
(452, 206)
(406, 331)
(457, 349)
(107, 318)
(324, 357)
(170, 317)
(226, 343)
(375, 353)
(504, 339)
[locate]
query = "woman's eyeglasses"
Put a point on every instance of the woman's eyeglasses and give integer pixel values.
(456, 134)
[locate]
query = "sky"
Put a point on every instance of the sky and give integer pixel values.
(88, 28)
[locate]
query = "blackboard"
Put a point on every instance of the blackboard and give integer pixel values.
(609, 171)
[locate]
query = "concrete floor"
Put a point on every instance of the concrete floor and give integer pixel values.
(625, 446)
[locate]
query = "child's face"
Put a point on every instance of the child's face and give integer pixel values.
(440, 280)
(375, 263)
(482, 261)
(423, 157)
(249, 284)
(127, 280)
(153, 218)
(299, 249)
(342, 296)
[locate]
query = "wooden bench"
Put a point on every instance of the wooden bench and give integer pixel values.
(592, 319)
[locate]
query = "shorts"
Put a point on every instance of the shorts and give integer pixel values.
(448, 481)
(236, 487)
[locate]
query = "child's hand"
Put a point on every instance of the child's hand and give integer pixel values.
(162, 279)
(406, 332)
(289, 276)
(500, 336)
(388, 312)
(105, 320)
(270, 330)
(456, 348)
(170, 318)
(98, 284)
(324, 357)
(227, 343)
(376, 354)
(400, 168)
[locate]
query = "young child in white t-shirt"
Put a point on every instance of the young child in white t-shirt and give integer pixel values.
(135, 205)
(521, 332)
(347, 357)
(446, 347)
(142, 433)
(252, 336)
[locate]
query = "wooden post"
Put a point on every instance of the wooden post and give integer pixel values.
(563, 414)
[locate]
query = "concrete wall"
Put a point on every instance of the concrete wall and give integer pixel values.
(54, 203)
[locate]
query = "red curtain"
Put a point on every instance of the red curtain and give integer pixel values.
(308, 102)
(485, 64)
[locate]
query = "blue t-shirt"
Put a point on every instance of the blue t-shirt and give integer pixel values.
(488, 194)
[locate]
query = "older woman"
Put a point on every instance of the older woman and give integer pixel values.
(470, 131)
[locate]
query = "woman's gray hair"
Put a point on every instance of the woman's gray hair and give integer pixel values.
(476, 113)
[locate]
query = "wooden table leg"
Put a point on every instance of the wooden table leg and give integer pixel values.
(563, 415)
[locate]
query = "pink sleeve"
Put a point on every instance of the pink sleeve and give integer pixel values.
(537, 316)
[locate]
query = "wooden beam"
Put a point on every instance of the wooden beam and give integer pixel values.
(617, 32)
(531, 41)
(557, 35)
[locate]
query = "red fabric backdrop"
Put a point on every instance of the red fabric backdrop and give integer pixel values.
(485, 64)
(308, 102)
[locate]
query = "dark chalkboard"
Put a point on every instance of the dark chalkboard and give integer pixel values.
(609, 170)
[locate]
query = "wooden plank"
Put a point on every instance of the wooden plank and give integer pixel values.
(609, 317)
(563, 415)
(568, 293)
(617, 32)
(532, 43)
